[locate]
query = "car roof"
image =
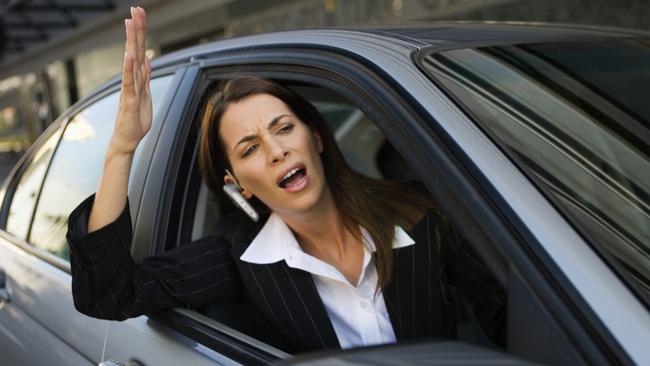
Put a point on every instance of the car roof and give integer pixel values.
(413, 36)
(516, 32)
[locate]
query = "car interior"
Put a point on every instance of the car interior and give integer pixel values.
(366, 150)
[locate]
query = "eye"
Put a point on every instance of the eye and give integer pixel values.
(251, 149)
(286, 129)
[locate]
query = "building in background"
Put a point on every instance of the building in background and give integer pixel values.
(53, 52)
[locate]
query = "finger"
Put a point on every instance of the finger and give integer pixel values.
(138, 77)
(131, 46)
(143, 19)
(128, 84)
(131, 49)
(143, 13)
(139, 21)
(147, 73)
(145, 70)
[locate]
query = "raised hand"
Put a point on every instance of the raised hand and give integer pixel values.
(133, 122)
(135, 110)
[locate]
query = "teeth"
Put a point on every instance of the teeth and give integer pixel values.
(290, 173)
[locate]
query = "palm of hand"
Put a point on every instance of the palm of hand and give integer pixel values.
(135, 110)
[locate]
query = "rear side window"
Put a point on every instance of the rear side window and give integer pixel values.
(76, 168)
(24, 198)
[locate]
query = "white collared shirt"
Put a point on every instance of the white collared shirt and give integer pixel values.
(358, 316)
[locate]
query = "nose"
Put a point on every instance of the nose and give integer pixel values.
(277, 151)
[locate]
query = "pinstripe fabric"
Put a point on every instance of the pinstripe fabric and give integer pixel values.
(107, 284)
(286, 296)
(414, 297)
(419, 305)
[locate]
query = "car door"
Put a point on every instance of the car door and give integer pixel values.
(38, 320)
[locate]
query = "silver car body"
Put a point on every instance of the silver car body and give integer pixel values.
(39, 325)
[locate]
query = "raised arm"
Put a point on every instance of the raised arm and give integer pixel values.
(106, 282)
(132, 123)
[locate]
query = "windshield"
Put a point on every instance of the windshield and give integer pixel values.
(575, 118)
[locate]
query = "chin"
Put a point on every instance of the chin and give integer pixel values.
(299, 203)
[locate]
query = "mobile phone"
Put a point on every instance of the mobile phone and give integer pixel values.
(238, 199)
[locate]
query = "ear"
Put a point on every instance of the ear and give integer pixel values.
(319, 142)
(228, 179)
(244, 192)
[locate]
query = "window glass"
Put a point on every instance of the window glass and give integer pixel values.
(357, 137)
(77, 166)
(575, 117)
(24, 199)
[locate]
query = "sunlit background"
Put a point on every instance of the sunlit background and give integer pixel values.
(54, 52)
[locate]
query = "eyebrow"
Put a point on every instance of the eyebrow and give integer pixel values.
(271, 124)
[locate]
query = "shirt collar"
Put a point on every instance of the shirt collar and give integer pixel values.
(276, 242)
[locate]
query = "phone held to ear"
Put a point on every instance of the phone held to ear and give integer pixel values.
(236, 197)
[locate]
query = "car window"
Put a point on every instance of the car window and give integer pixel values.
(76, 167)
(366, 150)
(575, 118)
(24, 197)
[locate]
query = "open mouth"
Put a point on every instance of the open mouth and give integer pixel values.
(292, 177)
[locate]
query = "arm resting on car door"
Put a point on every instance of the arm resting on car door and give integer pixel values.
(108, 284)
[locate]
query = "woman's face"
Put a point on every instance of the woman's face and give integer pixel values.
(273, 154)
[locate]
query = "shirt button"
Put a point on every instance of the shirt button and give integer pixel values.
(363, 304)
(364, 291)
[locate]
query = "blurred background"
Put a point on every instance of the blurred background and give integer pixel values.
(54, 52)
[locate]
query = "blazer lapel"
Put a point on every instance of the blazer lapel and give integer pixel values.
(414, 296)
(399, 293)
(286, 296)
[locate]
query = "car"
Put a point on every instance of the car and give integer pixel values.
(532, 138)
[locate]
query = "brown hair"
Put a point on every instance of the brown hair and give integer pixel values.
(376, 205)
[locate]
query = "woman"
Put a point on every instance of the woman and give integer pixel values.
(329, 265)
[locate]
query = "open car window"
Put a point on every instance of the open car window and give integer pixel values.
(366, 150)
(372, 148)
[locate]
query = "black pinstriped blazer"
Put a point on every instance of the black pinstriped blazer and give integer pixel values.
(107, 284)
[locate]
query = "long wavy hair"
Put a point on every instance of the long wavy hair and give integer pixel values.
(376, 205)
